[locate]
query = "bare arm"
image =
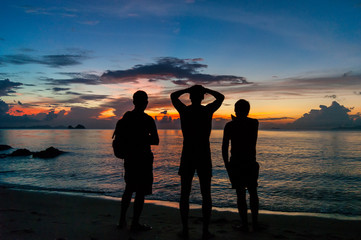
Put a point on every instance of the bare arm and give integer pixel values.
(175, 99)
(225, 146)
(218, 96)
(256, 132)
(153, 135)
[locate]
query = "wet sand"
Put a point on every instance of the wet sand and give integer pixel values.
(41, 215)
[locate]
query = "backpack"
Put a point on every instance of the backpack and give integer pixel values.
(118, 143)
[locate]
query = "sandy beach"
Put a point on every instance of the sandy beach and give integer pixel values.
(40, 215)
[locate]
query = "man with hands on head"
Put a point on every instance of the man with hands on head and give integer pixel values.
(196, 124)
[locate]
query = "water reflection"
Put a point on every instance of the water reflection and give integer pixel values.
(300, 171)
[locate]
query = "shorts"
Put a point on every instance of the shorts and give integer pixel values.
(188, 168)
(201, 172)
(139, 175)
(243, 175)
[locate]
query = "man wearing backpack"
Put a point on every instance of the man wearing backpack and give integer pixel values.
(134, 134)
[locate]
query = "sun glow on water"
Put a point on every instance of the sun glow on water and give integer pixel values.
(296, 168)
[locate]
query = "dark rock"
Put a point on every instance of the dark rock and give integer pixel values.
(4, 147)
(20, 152)
(48, 153)
(79, 126)
(70, 127)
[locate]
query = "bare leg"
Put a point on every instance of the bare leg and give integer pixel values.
(138, 207)
(186, 186)
(254, 202)
(242, 206)
(126, 198)
(205, 183)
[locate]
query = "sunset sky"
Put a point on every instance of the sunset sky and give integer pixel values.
(71, 62)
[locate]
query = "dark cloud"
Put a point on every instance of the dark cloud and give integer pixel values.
(75, 78)
(73, 93)
(62, 60)
(7, 120)
(121, 105)
(180, 82)
(52, 115)
(179, 71)
(4, 108)
(331, 96)
(6, 87)
(334, 116)
(274, 119)
(2, 39)
(85, 116)
(159, 102)
(45, 118)
(55, 61)
(58, 89)
(164, 112)
(76, 115)
(166, 122)
(93, 97)
(83, 98)
(346, 74)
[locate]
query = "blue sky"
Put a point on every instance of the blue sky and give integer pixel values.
(294, 55)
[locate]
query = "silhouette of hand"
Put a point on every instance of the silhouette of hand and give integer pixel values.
(197, 89)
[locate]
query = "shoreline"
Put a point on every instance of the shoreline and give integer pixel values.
(44, 215)
(164, 203)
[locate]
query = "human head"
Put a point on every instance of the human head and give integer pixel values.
(196, 94)
(140, 100)
(241, 108)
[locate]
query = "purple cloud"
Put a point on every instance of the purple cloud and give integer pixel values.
(178, 71)
(55, 60)
(334, 116)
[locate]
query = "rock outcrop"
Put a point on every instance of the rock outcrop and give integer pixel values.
(50, 152)
(4, 147)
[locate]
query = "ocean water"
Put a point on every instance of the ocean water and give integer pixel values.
(300, 171)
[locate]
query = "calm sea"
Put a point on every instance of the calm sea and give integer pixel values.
(301, 171)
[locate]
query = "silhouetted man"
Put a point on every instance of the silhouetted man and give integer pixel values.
(196, 122)
(242, 167)
(139, 131)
